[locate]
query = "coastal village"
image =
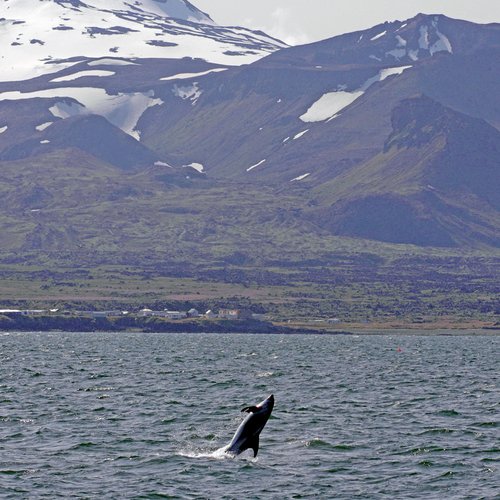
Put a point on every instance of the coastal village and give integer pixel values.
(47, 319)
(221, 314)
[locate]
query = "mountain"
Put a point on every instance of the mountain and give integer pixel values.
(390, 134)
(68, 59)
(434, 184)
(44, 36)
(324, 116)
(310, 104)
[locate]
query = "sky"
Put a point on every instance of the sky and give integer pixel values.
(304, 21)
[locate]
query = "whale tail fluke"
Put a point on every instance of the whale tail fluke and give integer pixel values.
(254, 445)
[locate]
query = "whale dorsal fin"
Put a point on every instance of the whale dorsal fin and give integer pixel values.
(250, 409)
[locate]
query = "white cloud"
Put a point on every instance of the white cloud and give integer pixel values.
(282, 24)
(300, 21)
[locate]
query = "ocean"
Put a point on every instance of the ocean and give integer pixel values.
(144, 416)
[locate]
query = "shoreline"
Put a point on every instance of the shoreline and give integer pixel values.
(353, 333)
(156, 325)
(396, 332)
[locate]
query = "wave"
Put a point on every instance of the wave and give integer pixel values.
(219, 454)
(320, 443)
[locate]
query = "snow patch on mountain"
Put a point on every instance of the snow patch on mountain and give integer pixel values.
(82, 74)
(397, 53)
(122, 110)
(423, 41)
(386, 72)
(401, 41)
(197, 166)
(330, 104)
(301, 177)
(187, 76)
(380, 35)
(249, 169)
(300, 134)
(443, 44)
(177, 9)
(190, 92)
(107, 61)
(66, 109)
(43, 126)
(430, 40)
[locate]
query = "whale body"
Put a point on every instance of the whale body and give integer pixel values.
(247, 435)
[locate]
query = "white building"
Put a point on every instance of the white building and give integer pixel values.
(174, 314)
(229, 314)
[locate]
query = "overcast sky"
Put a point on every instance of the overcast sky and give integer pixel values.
(302, 21)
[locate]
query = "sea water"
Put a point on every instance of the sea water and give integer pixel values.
(121, 415)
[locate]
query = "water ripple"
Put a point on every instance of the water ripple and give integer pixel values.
(148, 416)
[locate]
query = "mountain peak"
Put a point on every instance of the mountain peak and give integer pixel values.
(176, 9)
(41, 37)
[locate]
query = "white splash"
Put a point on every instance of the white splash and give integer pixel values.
(219, 454)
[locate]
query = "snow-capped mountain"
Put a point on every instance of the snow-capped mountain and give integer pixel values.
(43, 36)
(106, 57)
(297, 101)
(399, 122)
(324, 117)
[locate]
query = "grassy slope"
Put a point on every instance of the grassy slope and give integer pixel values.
(100, 238)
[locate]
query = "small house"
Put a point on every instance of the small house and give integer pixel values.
(174, 314)
(229, 314)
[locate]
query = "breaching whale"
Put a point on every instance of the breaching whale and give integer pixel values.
(247, 435)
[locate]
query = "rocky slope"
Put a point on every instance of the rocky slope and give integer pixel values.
(389, 134)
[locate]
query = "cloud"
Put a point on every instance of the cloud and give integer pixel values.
(283, 24)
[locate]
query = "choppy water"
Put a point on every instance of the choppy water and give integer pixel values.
(141, 415)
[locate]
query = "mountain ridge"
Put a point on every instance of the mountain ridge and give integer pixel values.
(377, 132)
